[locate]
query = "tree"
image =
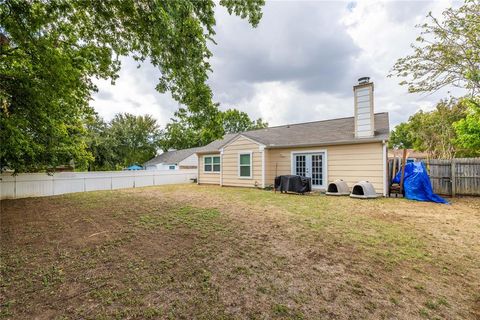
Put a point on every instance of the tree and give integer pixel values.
(192, 129)
(433, 132)
(401, 137)
(447, 52)
(195, 129)
(237, 121)
(468, 128)
(124, 141)
(135, 139)
(100, 144)
(51, 50)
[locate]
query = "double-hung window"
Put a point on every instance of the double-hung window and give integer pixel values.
(245, 165)
(211, 164)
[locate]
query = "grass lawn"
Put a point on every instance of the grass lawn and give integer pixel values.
(205, 252)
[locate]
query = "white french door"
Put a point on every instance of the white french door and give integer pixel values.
(311, 165)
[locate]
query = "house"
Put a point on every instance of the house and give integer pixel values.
(174, 160)
(352, 149)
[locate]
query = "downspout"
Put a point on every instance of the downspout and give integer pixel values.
(384, 158)
(221, 167)
(199, 162)
(262, 149)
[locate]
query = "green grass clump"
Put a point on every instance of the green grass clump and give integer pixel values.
(194, 218)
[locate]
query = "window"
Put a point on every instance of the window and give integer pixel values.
(171, 167)
(245, 165)
(211, 163)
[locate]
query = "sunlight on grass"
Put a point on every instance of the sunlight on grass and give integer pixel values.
(344, 219)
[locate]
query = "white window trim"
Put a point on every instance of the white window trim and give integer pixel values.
(240, 153)
(211, 156)
(324, 165)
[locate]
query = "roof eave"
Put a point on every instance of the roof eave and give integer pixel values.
(333, 143)
(208, 152)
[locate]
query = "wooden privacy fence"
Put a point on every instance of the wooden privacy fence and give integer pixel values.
(41, 184)
(460, 176)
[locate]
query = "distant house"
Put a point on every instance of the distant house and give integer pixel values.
(174, 160)
(351, 149)
(412, 155)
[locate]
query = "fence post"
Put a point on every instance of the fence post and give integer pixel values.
(454, 177)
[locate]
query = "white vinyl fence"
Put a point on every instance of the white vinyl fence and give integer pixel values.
(41, 184)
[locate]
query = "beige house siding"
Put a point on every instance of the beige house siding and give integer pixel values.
(207, 177)
(352, 163)
(230, 162)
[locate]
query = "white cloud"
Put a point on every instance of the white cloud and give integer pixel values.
(299, 65)
(384, 32)
(134, 92)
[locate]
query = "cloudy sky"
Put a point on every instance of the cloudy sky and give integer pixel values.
(298, 65)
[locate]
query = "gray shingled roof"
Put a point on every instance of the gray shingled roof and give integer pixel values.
(217, 144)
(335, 131)
(172, 157)
(317, 133)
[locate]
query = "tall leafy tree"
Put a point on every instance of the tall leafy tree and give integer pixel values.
(194, 129)
(237, 121)
(433, 132)
(401, 137)
(100, 144)
(135, 139)
(447, 52)
(51, 50)
(468, 129)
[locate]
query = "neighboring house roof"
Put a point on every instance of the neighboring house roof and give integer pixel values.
(410, 154)
(317, 133)
(172, 157)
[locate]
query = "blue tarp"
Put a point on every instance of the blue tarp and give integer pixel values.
(417, 184)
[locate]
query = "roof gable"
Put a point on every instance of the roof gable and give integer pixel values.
(241, 135)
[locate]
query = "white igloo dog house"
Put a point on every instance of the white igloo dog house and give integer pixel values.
(338, 188)
(363, 190)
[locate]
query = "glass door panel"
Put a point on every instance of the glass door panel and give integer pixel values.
(317, 169)
(301, 165)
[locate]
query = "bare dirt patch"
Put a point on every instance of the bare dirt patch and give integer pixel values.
(214, 253)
